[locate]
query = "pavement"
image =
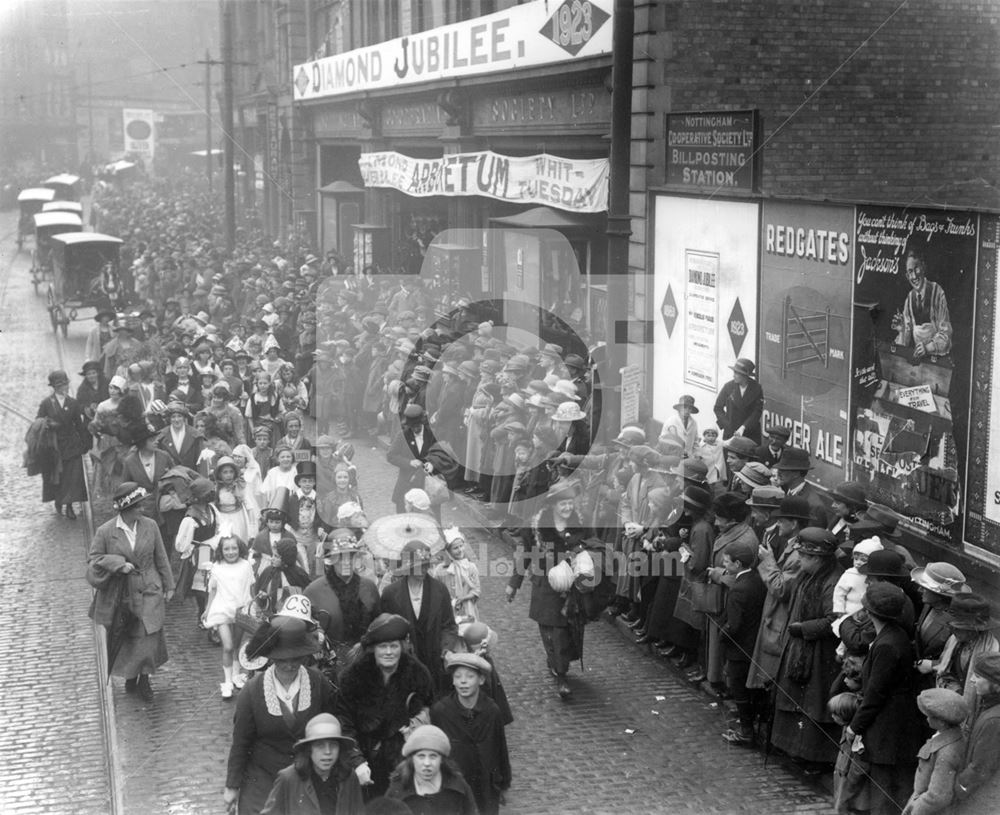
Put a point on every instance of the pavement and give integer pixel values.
(633, 738)
(54, 746)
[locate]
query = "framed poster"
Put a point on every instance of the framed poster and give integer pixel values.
(701, 328)
(806, 280)
(912, 353)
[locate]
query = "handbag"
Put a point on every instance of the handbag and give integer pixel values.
(249, 618)
(436, 489)
(707, 598)
(185, 577)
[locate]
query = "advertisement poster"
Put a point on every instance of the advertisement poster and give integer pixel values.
(982, 520)
(701, 335)
(806, 273)
(912, 355)
(137, 124)
(705, 256)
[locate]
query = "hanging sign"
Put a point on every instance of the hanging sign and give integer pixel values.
(578, 185)
(138, 128)
(540, 32)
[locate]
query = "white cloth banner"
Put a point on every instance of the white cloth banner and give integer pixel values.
(577, 185)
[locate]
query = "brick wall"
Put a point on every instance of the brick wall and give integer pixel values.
(858, 103)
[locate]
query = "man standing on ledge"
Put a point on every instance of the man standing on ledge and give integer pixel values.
(740, 403)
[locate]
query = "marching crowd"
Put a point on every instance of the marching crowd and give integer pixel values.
(219, 416)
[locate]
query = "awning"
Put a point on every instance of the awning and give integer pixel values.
(548, 218)
(118, 166)
(36, 194)
(75, 238)
(50, 219)
(339, 188)
(62, 178)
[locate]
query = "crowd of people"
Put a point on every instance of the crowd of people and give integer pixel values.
(220, 417)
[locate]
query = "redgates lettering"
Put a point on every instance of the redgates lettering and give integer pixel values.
(824, 246)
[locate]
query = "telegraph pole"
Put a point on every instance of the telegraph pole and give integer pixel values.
(229, 179)
(208, 62)
(90, 115)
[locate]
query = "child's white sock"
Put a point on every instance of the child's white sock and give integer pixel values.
(227, 672)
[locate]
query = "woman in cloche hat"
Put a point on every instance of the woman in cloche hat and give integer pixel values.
(319, 772)
(939, 582)
(268, 722)
(62, 427)
(427, 780)
(129, 545)
(384, 696)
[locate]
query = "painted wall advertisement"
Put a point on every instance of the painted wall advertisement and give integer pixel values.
(806, 281)
(912, 353)
(982, 520)
(705, 289)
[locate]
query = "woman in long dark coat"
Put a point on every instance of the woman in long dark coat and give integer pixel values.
(803, 727)
(129, 547)
(555, 534)
(64, 482)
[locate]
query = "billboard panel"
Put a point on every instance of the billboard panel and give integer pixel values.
(982, 520)
(805, 335)
(912, 352)
(705, 289)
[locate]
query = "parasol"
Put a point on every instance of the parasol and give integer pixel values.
(387, 536)
(122, 619)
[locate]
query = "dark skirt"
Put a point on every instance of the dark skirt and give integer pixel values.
(800, 737)
(140, 655)
(560, 647)
(662, 610)
(71, 487)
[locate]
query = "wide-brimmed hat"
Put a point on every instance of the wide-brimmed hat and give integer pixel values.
(128, 494)
(970, 612)
(460, 659)
(225, 461)
(793, 506)
(740, 446)
(291, 637)
(766, 497)
(793, 458)
(561, 490)
(754, 474)
(323, 727)
(814, 540)
(686, 401)
(884, 563)
(109, 313)
(340, 541)
(568, 412)
(386, 628)
(697, 497)
(940, 578)
(851, 493)
(885, 600)
(630, 436)
(427, 737)
(692, 470)
(943, 704)
(415, 558)
(297, 607)
(887, 520)
(743, 366)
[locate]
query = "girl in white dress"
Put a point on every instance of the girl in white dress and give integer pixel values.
(230, 587)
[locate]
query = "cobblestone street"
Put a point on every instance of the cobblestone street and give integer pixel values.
(633, 738)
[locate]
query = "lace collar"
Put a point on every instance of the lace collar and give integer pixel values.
(271, 693)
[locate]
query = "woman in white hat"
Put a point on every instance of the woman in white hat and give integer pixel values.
(427, 780)
(319, 781)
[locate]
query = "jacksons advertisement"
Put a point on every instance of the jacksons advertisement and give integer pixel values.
(534, 33)
(806, 281)
(579, 185)
(913, 306)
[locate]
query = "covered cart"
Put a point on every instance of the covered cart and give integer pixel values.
(48, 224)
(31, 201)
(65, 185)
(86, 271)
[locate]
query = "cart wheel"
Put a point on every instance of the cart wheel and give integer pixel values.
(72, 314)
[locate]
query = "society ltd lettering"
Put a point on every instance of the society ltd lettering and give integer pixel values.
(821, 245)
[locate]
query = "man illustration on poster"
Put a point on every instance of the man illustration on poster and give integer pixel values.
(924, 320)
